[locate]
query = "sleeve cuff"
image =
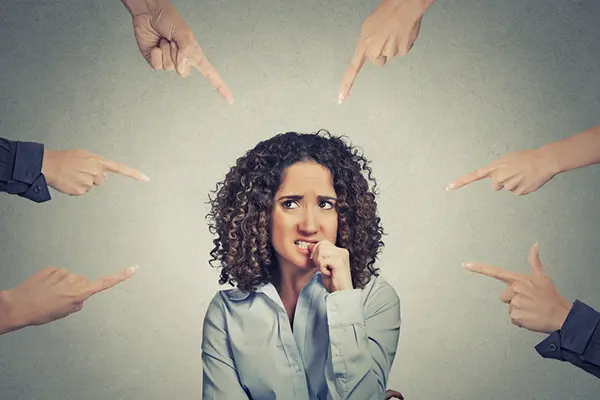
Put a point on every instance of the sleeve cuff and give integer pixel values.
(345, 308)
(28, 162)
(578, 328)
(550, 347)
(38, 191)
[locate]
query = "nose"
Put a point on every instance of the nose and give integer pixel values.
(309, 223)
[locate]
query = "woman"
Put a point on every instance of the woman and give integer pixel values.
(298, 234)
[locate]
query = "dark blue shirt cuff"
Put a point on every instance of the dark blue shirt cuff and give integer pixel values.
(21, 170)
(28, 162)
(550, 347)
(579, 335)
(38, 191)
(579, 327)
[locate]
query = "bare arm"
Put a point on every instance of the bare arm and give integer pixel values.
(577, 151)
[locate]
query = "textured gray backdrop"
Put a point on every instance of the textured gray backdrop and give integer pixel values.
(484, 79)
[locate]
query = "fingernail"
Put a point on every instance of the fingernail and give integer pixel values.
(341, 98)
(132, 270)
(468, 266)
(144, 178)
(183, 65)
(451, 186)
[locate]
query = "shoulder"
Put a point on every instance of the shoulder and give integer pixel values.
(228, 302)
(378, 291)
(228, 298)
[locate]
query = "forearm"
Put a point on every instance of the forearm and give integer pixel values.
(574, 152)
(422, 5)
(361, 352)
(137, 7)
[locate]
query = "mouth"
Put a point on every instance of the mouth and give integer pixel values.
(301, 244)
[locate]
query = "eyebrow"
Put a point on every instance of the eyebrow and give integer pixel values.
(297, 197)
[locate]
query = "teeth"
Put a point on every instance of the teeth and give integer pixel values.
(302, 245)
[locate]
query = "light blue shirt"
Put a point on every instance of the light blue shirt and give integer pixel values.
(342, 345)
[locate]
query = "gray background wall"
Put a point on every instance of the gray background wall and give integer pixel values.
(484, 79)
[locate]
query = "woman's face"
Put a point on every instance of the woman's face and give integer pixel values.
(304, 212)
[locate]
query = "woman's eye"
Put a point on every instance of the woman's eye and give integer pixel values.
(326, 205)
(289, 204)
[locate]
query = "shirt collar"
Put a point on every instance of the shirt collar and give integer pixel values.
(267, 289)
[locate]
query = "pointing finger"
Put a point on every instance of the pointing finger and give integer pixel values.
(123, 169)
(201, 63)
(470, 178)
(358, 60)
(110, 281)
(495, 272)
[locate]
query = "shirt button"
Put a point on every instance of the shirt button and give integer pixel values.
(36, 189)
(552, 347)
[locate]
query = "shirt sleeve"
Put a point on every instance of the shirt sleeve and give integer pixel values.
(363, 341)
(21, 170)
(219, 378)
(578, 341)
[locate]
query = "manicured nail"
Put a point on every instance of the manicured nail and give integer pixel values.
(132, 270)
(144, 178)
(341, 98)
(468, 266)
(183, 65)
(451, 186)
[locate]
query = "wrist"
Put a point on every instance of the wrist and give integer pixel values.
(138, 7)
(344, 286)
(8, 321)
(48, 166)
(550, 160)
(562, 315)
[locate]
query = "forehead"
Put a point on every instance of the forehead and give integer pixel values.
(307, 176)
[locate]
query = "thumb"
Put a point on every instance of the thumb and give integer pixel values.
(534, 261)
(186, 42)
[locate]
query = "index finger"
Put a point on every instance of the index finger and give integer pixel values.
(201, 63)
(123, 169)
(509, 277)
(358, 60)
(110, 281)
(470, 178)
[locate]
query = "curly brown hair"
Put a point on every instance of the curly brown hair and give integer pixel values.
(240, 213)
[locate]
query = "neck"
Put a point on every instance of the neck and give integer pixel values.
(289, 280)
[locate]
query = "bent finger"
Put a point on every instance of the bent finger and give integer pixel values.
(156, 58)
(165, 47)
